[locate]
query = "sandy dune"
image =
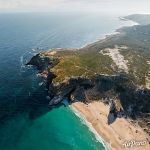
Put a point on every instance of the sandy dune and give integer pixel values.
(118, 59)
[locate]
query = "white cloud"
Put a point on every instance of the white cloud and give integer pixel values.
(28, 5)
(5, 5)
(109, 6)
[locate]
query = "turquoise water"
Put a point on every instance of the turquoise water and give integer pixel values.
(70, 133)
(25, 120)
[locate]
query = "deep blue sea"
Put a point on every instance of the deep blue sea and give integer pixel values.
(26, 123)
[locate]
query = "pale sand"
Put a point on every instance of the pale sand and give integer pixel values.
(148, 81)
(148, 77)
(51, 53)
(115, 134)
(116, 56)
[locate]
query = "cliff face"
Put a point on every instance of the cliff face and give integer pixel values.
(43, 62)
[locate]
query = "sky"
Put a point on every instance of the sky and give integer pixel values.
(106, 6)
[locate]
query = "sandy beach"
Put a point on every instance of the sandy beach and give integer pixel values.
(120, 135)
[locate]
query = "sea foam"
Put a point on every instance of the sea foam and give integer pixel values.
(83, 119)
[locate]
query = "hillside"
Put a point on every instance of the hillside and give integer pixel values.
(115, 70)
(142, 19)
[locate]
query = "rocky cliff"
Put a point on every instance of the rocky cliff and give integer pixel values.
(126, 99)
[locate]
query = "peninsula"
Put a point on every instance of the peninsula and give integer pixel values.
(106, 82)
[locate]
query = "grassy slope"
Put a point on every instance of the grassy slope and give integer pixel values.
(78, 63)
(137, 39)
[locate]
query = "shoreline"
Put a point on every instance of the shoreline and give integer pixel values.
(91, 128)
(77, 112)
(97, 122)
(111, 136)
(113, 33)
(103, 38)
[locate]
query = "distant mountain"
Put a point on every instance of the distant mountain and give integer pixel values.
(142, 19)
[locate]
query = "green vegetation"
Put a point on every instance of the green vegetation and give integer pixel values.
(77, 63)
(137, 41)
(88, 61)
(137, 64)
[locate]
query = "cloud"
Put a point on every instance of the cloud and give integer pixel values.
(7, 4)
(111, 6)
(108, 6)
(28, 5)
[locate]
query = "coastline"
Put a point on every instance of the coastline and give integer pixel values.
(84, 117)
(113, 136)
(116, 134)
(113, 33)
(106, 145)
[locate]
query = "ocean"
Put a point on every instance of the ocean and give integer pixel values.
(25, 120)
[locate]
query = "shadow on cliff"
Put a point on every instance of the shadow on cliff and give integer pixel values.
(126, 99)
